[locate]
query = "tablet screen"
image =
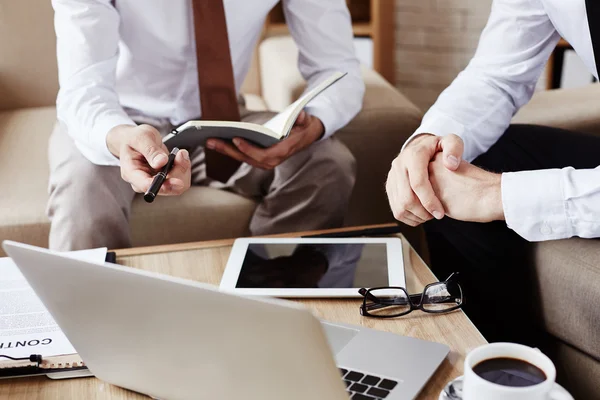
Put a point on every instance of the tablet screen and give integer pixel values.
(308, 265)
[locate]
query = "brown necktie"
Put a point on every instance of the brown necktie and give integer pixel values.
(215, 78)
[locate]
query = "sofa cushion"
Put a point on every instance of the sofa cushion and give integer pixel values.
(254, 102)
(28, 71)
(568, 273)
(202, 213)
(576, 109)
(24, 174)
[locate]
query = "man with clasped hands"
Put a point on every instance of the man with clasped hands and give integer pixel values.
(490, 188)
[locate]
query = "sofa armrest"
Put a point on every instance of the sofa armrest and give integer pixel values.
(575, 109)
(568, 278)
(374, 137)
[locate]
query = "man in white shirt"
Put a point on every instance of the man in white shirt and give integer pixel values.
(130, 71)
(494, 188)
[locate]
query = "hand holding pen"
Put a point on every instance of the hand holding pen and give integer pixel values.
(142, 154)
(160, 178)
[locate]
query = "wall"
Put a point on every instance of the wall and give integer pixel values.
(435, 39)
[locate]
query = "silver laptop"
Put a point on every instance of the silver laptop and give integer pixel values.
(171, 338)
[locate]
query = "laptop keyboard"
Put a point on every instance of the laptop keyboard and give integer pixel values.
(366, 387)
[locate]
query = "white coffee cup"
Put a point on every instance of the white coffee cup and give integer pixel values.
(477, 388)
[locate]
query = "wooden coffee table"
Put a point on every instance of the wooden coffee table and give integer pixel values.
(205, 262)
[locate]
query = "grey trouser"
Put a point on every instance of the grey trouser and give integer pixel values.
(90, 205)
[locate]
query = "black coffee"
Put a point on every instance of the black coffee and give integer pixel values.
(509, 372)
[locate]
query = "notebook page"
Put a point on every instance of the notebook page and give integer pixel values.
(282, 123)
(26, 327)
(278, 123)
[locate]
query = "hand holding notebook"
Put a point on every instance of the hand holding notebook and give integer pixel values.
(195, 133)
(306, 130)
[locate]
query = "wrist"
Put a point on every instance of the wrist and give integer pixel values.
(494, 197)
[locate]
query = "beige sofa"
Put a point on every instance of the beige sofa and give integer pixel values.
(28, 87)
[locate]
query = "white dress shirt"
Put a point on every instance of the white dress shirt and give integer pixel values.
(140, 59)
(501, 77)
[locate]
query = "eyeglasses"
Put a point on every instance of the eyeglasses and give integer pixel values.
(390, 302)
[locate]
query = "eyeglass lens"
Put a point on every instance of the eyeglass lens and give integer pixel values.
(387, 302)
(442, 296)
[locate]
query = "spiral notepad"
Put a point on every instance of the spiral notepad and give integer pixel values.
(49, 365)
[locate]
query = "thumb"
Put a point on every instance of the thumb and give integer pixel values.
(148, 143)
(301, 118)
(452, 150)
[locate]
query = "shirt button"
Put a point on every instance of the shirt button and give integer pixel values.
(546, 230)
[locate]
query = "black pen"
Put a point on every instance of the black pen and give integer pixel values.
(160, 177)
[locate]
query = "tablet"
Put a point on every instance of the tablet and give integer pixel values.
(294, 267)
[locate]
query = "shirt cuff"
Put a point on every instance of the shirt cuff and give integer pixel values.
(326, 114)
(534, 205)
(98, 152)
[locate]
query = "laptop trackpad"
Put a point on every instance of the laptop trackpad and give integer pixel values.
(338, 336)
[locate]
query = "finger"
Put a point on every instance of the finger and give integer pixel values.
(149, 144)
(271, 157)
(179, 178)
(135, 172)
(254, 152)
(413, 205)
(301, 120)
(396, 186)
(231, 151)
(419, 212)
(409, 219)
(418, 176)
(452, 148)
(172, 187)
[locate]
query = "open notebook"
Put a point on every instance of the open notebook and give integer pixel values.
(27, 329)
(194, 133)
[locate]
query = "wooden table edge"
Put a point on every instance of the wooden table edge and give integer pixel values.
(164, 248)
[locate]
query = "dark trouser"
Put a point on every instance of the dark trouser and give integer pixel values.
(494, 261)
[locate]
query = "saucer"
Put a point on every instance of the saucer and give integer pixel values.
(453, 390)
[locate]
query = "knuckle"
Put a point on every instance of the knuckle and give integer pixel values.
(416, 159)
(184, 167)
(150, 148)
(402, 208)
(419, 184)
(429, 204)
(147, 134)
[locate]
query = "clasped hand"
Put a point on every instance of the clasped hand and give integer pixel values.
(429, 179)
